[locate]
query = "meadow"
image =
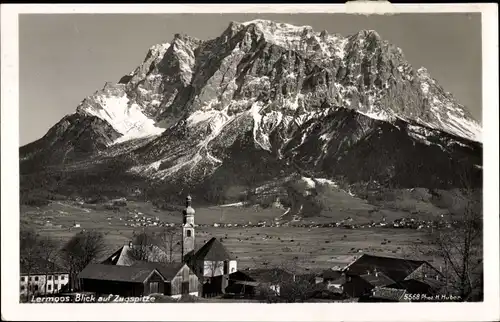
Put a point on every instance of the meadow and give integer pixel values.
(311, 248)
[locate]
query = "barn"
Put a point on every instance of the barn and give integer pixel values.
(140, 279)
(126, 281)
(179, 279)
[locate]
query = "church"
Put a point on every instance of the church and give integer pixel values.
(212, 263)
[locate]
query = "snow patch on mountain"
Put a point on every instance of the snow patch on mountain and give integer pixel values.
(159, 50)
(125, 117)
(186, 60)
(449, 115)
(260, 138)
(377, 115)
(311, 183)
(300, 38)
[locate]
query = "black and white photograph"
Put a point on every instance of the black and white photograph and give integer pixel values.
(257, 159)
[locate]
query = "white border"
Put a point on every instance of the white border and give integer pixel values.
(12, 310)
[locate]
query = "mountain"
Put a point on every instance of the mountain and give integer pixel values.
(262, 102)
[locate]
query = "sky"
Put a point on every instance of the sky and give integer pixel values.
(67, 57)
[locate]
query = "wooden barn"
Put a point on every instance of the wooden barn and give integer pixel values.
(179, 279)
(121, 280)
(140, 279)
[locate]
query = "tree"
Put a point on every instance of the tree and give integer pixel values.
(48, 251)
(459, 244)
(460, 247)
(170, 239)
(145, 248)
(35, 249)
(295, 286)
(216, 267)
(150, 247)
(81, 250)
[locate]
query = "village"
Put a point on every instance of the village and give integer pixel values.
(138, 219)
(146, 267)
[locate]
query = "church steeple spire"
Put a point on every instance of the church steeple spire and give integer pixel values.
(188, 228)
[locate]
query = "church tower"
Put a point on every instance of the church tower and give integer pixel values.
(187, 228)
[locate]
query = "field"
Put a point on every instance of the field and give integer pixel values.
(311, 249)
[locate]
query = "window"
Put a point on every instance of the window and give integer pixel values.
(23, 279)
(49, 287)
(50, 277)
(36, 278)
(188, 233)
(36, 287)
(56, 277)
(22, 288)
(31, 278)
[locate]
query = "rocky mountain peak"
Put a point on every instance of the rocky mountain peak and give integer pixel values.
(283, 92)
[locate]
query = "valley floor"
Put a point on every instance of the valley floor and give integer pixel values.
(310, 248)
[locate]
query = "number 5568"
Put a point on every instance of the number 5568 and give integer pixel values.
(411, 297)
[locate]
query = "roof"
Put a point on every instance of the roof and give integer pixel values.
(40, 266)
(379, 279)
(331, 274)
(167, 270)
(132, 274)
(213, 250)
(395, 268)
(250, 283)
(341, 280)
(266, 275)
(414, 286)
(124, 257)
(387, 293)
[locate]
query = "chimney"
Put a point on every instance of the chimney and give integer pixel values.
(130, 244)
(375, 272)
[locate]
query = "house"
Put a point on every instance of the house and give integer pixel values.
(126, 281)
(42, 277)
(128, 254)
(179, 278)
(356, 286)
(212, 263)
(397, 269)
(370, 272)
(333, 280)
(251, 282)
(212, 259)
